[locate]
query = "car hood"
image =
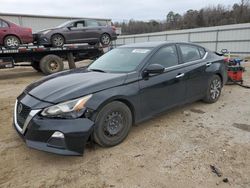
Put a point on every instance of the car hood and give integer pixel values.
(41, 31)
(72, 84)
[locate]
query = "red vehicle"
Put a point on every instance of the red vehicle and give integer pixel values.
(12, 35)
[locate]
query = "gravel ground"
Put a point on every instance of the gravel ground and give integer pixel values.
(175, 149)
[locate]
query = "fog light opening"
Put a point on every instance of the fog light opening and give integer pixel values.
(57, 134)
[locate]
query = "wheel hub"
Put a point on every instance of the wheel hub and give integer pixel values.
(53, 66)
(12, 42)
(105, 39)
(58, 41)
(114, 124)
(215, 89)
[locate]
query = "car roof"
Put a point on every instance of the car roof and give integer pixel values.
(153, 44)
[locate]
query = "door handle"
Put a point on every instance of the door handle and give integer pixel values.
(208, 64)
(180, 75)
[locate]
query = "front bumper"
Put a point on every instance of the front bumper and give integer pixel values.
(38, 132)
(41, 39)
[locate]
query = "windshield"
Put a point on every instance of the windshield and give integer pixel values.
(64, 24)
(120, 60)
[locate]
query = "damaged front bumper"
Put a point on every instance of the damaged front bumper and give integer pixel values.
(60, 136)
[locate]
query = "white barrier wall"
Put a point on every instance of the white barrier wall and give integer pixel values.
(235, 38)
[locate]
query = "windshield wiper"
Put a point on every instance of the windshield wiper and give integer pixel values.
(97, 70)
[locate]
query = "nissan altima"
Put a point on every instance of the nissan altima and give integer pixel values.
(62, 112)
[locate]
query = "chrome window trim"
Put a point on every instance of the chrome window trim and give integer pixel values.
(186, 64)
(27, 121)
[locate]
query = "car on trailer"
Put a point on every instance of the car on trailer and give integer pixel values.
(77, 31)
(13, 35)
(125, 86)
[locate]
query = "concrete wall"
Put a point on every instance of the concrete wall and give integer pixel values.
(38, 23)
(235, 38)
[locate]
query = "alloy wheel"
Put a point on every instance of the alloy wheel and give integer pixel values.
(105, 39)
(58, 41)
(215, 89)
(12, 42)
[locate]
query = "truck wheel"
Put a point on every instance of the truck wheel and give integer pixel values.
(51, 64)
(11, 42)
(35, 65)
(112, 124)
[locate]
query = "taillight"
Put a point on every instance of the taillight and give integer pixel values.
(226, 60)
(29, 30)
(114, 28)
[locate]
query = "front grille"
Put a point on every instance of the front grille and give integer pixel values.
(22, 112)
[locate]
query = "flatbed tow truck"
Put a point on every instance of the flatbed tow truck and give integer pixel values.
(48, 59)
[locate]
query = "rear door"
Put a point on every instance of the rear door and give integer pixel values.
(4, 29)
(93, 29)
(163, 91)
(194, 59)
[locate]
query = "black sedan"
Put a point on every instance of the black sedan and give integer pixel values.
(127, 85)
(77, 31)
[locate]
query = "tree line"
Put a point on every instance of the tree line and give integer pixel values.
(205, 17)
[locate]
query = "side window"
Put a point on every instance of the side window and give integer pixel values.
(202, 52)
(92, 23)
(166, 56)
(3, 24)
(80, 24)
(189, 53)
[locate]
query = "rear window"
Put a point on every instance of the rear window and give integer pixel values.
(92, 23)
(189, 53)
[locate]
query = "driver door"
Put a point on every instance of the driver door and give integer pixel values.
(163, 91)
(77, 32)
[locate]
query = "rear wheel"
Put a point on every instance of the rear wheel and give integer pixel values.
(51, 64)
(105, 39)
(112, 124)
(11, 42)
(213, 89)
(57, 40)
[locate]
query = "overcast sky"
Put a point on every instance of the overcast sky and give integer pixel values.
(118, 10)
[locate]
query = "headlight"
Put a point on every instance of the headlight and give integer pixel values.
(45, 32)
(70, 109)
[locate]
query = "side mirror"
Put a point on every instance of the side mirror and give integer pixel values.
(70, 27)
(153, 69)
(224, 51)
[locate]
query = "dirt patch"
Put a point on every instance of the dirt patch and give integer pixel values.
(175, 149)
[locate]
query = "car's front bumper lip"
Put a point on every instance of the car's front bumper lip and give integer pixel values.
(40, 130)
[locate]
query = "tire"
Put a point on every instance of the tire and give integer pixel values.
(112, 124)
(11, 42)
(213, 90)
(57, 40)
(105, 39)
(51, 64)
(35, 65)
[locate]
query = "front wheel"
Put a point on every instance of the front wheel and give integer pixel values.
(213, 90)
(57, 40)
(112, 124)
